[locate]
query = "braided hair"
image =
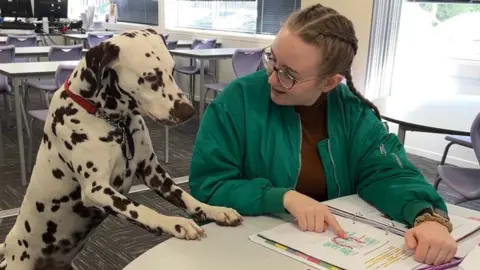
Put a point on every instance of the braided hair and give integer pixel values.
(335, 34)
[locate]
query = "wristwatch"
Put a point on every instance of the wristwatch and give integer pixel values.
(434, 214)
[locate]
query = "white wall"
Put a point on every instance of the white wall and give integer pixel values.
(360, 12)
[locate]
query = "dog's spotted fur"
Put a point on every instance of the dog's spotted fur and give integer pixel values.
(81, 175)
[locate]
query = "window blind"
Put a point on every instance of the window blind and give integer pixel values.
(271, 14)
(137, 11)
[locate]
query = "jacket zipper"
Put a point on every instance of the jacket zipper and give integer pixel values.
(334, 169)
(299, 152)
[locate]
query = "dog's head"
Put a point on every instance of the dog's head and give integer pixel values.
(133, 73)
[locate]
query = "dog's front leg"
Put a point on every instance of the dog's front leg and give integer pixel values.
(157, 179)
(107, 199)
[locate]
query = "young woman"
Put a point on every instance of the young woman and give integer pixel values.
(286, 138)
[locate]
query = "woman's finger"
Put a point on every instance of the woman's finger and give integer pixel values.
(310, 222)
(441, 256)
(302, 222)
(432, 254)
(319, 223)
(332, 222)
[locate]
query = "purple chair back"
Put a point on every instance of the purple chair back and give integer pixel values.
(199, 43)
(246, 61)
(165, 36)
(475, 135)
(172, 44)
(95, 39)
(65, 53)
(7, 55)
(63, 71)
(22, 40)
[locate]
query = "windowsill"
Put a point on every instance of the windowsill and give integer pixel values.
(221, 34)
(128, 25)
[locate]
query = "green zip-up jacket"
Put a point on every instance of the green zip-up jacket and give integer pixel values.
(247, 154)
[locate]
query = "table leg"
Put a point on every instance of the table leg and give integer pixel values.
(202, 89)
(166, 157)
(401, 133)
(18, 118)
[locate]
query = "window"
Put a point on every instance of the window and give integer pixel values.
(76, 7)
(443, 40)
(247, 16)
(137, 11)
(424, 48)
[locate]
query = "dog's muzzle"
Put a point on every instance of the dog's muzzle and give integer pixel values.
(182, 111)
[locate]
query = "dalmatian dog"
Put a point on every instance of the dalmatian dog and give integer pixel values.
(95, 142)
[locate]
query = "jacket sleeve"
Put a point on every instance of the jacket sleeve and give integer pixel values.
(216, 176)
(386, 178)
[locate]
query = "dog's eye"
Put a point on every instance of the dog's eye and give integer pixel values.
(151, 78)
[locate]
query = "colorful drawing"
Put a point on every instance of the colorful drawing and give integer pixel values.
(349, 242)
(351, 245)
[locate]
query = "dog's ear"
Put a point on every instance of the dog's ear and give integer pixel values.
(152, 31)
(99, 58)
(164, 40)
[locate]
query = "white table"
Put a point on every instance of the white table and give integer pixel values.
(83, 38)
(39, 51)
(3, 39)
(228, 248)
(19, 73)
(451, 115)
(204, 55)
(224, 248)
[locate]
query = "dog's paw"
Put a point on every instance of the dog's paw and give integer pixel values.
(184, 228)
(223, 216)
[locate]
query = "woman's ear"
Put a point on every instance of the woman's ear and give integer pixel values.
(332, 82)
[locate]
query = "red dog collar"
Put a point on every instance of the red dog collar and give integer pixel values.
(127, 138)
(78, 99)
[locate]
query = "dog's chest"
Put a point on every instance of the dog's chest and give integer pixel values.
(92, 147)
(130, 154)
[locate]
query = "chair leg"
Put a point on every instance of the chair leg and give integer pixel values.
(26, 97)
(437, 182)
(166, 156)
(192, 90)
(459, 201)
(47, 99)
(205, 98)
(8, 108)
(213, 76)
(445, 152)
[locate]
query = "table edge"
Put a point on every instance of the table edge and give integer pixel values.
(422, 128)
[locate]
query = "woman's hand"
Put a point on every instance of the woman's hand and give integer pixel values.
(310, 214)
(432, 242)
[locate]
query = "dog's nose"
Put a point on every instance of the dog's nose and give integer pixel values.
(183, 111)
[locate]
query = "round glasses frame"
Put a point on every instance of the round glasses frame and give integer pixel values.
(285, 79)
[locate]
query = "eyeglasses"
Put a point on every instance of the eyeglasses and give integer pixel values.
(285, 79)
